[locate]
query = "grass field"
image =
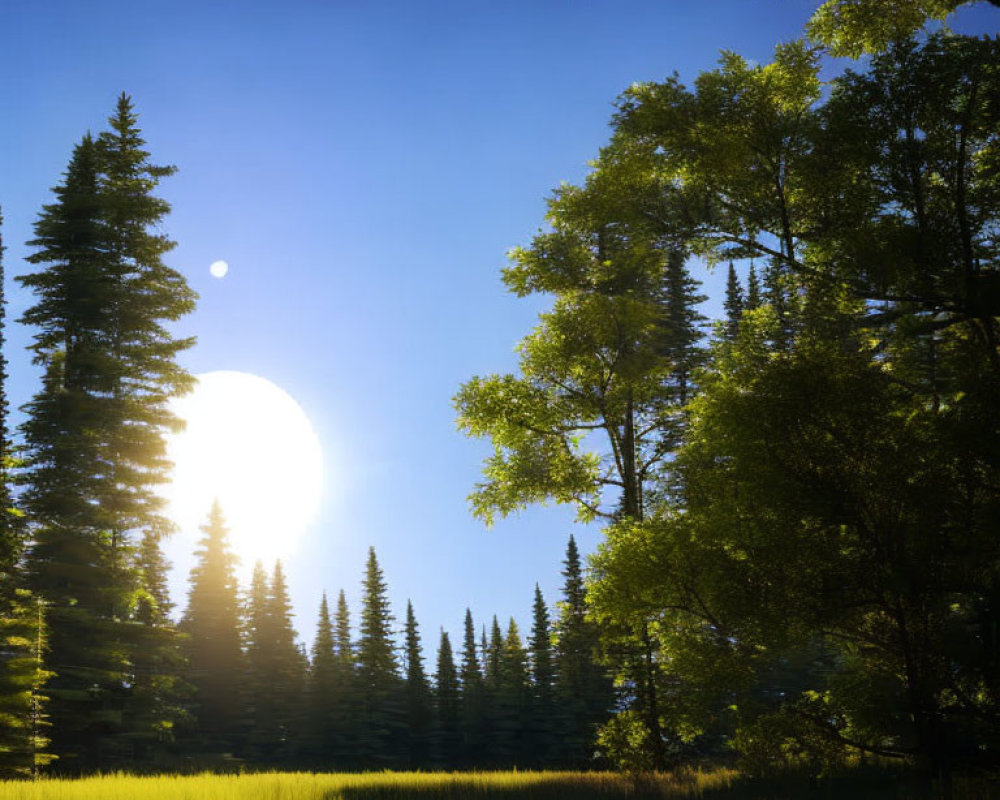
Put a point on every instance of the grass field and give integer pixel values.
(372, 785)
(720, 784)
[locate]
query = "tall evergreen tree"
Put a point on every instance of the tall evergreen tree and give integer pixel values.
(583, 689)
(472, 711)
(346, 699)
(94, 434)
(282, 667)
(321, 737)
(22, 634)
(543, 713)
(419, 705)
(511, 745)
(753, 300)
(381, 713)
(734, 302)
(446, 696)
(212, 624)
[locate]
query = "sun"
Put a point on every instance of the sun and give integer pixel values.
(249, 444)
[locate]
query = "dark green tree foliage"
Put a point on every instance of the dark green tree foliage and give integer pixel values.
(446, 697)
(511, 703)
(345, 700)
(754, 297)
(829, 511)
(323, 736)
(94, 433)
(213, 648)
(419, 700)
(473, 701)
(734, 302)
(283, 673)
(161, 696)
(543, 732)
(381, 713)
(583, 689)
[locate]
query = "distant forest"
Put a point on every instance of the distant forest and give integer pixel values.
(801, 501)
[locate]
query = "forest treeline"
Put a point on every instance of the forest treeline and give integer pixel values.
(801, 561)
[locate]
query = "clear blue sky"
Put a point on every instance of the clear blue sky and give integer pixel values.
(363, 167)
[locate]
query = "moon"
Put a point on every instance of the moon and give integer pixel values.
(249, 444)
(219, 269)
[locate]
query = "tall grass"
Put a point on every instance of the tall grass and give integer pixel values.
(720, 784)
(373, 786)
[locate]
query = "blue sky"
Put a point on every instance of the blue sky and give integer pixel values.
(363, 167)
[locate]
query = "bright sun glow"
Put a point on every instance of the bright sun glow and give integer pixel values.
(219, 269)
(249, 444)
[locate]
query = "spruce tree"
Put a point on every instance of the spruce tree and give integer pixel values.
(753, 300)
(734, 303)
(346, 698)
(322, 733)
(542, 716)
(212, 624)
(279, 708)
(380, 721)
(583, 690)
(419, 710)
(472, 706)
(446, 695)
(510, 743)
(95, 432)
(23, 738)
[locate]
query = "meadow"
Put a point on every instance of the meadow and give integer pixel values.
(721, 784)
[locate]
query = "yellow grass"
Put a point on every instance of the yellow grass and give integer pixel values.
(371, 785)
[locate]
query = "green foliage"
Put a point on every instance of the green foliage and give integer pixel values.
(853, 27)
(213, 648)
(94, 443)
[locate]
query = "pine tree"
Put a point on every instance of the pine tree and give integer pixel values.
(322, 733)
(23, 737)
(734, 303)
(472, 705)
(542, 716)
(212, 624)
(446, 695)
(419, 711)
(583, 690)
(381, 712)
(279, 708)
(512, 708)
(94, 435)
(753, 300)
(346, 699)
(254, 632)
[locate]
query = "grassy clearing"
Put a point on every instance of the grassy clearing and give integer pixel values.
(373, 786)
(721, 784)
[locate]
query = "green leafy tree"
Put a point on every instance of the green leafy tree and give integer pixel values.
(853, 27)
(816, 567)
(212, 624)
(94, 434)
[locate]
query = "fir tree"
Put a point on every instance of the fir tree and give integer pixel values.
(543, 707)
(734, 303)
(323, 687)
(753, 300)
(446, 695)
(583, 690)
(23, 738)
(472, 712)
(212, 624)
(94, 436)
(512, 707)
(419, 711)
(379, 696)
(346, 699)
